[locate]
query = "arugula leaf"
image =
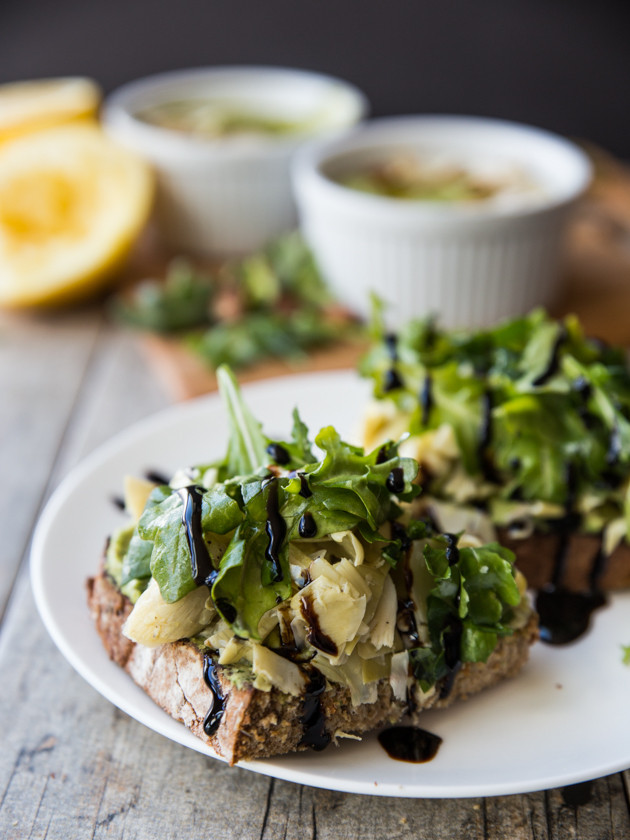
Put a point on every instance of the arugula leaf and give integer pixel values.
(247, 445)
(468, 607)
(137, 560)
(161, 524)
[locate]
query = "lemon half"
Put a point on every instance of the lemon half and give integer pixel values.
(71, 205)
(42, 103)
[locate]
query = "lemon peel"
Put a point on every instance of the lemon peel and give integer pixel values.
(43, 103)
(72, 203)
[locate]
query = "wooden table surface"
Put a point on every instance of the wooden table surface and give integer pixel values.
(73, 766)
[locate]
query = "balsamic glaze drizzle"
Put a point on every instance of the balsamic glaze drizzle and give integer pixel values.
(382, 455)
(156, 477)
(409, 743)
(579, 794)
(279, 454)
(486, 463)
(452, 552)
(276, 529)
(426, 399)
(315, 635)
(391, 341)
(554, 359)
(118, 502)
(313, 720)
(395, 482)
(307, 527)
(564, 615)
(391, 381)
(452, 640)
(215, 712)
(200, 561)
(305, 490)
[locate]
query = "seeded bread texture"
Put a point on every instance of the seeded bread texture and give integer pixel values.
(261, 724)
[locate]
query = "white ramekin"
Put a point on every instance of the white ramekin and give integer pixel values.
(228, 196)
(468, 265)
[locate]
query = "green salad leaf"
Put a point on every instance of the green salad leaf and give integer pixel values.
(469, 606)
(528, 400)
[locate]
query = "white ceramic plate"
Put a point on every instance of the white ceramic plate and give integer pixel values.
(563, 720)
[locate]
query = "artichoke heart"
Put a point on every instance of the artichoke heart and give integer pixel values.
(274, 670)
(333, 604)
(351, 546)
(154, 622)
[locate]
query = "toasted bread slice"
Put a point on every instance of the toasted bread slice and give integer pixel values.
(582, 565)
(259, 724)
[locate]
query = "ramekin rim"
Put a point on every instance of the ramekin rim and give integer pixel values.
(306, 171)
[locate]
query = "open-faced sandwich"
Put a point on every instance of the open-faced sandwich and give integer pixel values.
(279, 599)
(523, 435)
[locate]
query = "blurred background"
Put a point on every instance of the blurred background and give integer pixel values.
(559, 65)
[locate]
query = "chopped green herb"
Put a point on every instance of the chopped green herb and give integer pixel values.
(273, 304)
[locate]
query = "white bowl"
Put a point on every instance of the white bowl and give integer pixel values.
(469, 264)
(230, 195)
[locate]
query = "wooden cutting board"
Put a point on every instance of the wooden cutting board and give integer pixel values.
(596, 287)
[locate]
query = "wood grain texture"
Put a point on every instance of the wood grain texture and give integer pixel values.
(43, 364)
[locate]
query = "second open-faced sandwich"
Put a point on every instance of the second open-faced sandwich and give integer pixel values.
(282, 599)
(522, 432)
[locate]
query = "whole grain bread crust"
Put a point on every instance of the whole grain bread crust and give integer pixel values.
(257, 724)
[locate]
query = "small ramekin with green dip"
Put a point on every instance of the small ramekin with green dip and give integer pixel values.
(221, 140)
(460, 217)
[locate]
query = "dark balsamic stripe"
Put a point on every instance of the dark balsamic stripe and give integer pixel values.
(452, 552)
(409, 743)
(276, 529)
(200, 561)
(391, 381)
(118, 502)
(554, 359)
(426, 399)
(395, 482)
(315, 635)
(313, 719)
(156, 477)
(391, 341)
(279, 454)
(307, 528)
(305, 490)
(215, 712)
(484, 445)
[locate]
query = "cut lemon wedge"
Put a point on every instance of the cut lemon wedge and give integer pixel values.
(71, 205)
(43, 103)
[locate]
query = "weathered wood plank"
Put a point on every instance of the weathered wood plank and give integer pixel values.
(590, 811)
(516, 817)
(42, 366)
